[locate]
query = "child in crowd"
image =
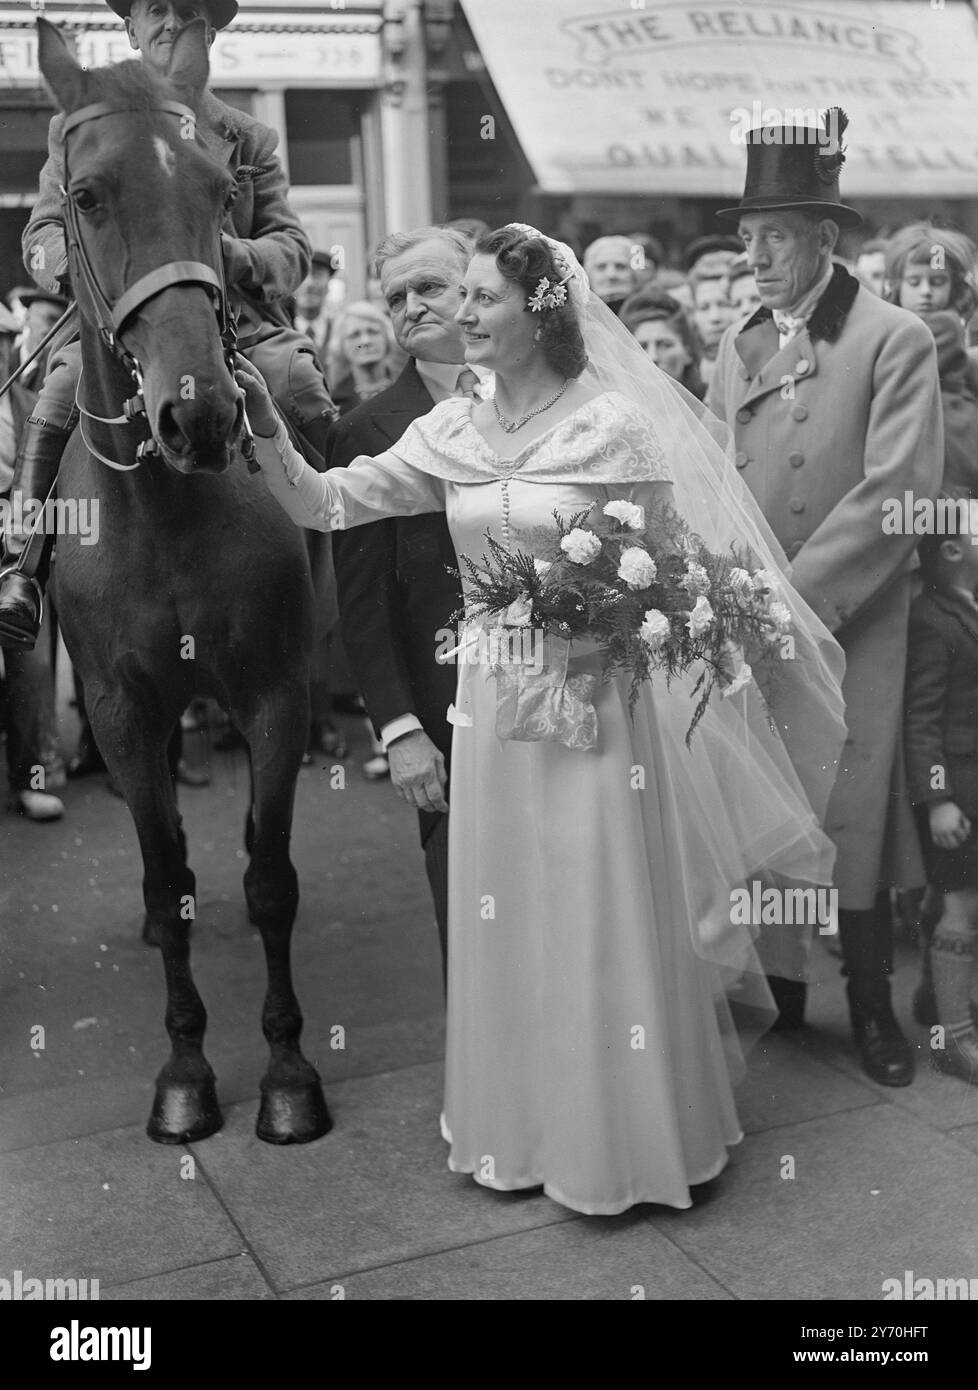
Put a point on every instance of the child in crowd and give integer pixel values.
(941, 736)
(931, 272)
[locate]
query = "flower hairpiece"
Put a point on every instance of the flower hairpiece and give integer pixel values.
(547, 296)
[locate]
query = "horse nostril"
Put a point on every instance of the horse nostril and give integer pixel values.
(167, 428)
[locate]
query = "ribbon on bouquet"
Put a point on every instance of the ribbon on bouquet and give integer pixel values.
(536, 700)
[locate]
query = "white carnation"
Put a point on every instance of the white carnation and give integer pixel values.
(636, 567)
(700, 618)
(766, 579)
(655, 629)
(740, 581)
(580, 547)
(697, 581)
(744, 675)
(628, 514)
(543, 567)
(781, 614)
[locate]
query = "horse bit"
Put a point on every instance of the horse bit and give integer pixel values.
(110, 318)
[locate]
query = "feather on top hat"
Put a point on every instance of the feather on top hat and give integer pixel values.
(796, 167)
(219, 12)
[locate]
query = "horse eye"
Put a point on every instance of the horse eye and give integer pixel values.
(85, 200)
(231, 197)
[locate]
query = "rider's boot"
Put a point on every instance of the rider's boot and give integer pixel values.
(26, 548)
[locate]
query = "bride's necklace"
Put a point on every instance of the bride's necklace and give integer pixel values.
(510, 426)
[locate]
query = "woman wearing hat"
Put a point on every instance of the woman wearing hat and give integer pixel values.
(834, 400)
(266, 255)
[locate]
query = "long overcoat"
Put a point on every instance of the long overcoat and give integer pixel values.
(846, 416)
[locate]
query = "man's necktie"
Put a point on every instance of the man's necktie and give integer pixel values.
(468, 384)
(788, 326)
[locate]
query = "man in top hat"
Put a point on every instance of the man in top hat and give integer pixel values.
(834, 400)
(266, 255)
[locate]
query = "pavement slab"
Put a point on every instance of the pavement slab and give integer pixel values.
(374, 1191)
(238, 1278)
(595, 1258)
(875, 1192)
(111, 1207)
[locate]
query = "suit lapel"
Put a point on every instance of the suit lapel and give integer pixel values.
(407, 399)
(769, 367)
(768, 364)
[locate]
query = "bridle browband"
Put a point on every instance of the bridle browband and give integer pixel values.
(110, 317)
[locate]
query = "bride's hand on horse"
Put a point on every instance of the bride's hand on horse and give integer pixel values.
(258, 403)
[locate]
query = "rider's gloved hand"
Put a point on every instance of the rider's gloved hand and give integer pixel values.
(237, 262)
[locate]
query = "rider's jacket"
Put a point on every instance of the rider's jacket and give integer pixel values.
(268, 255)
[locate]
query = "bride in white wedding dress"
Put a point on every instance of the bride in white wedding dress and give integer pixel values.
(589, 1047)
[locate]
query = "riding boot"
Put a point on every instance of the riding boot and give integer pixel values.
(884, 1052)
(27, 549)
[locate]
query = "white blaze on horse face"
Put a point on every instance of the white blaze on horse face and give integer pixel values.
(165, 154)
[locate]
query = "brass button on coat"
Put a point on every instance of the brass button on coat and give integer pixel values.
(741, 459)
(799, 412)
(744, 414)
(796, 460)
(796, 504)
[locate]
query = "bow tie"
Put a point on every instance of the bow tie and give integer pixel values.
(468, 384)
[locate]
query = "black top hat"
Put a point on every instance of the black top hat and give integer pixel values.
(221, 12)
(796, 167)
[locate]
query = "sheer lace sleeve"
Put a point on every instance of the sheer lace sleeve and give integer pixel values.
(370, 488)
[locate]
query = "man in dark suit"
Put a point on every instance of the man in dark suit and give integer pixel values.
(395, 590)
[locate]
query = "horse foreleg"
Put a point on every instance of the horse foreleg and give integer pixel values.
(293, 1108)
(185, 1107)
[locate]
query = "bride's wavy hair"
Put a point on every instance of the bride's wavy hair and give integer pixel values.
(526, 260)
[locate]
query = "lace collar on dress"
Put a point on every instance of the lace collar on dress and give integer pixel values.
(606, 440)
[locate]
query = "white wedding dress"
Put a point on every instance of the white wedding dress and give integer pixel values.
(586, 1051)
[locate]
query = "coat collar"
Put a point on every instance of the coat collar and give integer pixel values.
(767, 365)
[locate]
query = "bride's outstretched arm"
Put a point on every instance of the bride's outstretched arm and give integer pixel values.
(369, 489)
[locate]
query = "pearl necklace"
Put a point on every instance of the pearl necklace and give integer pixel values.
(511, 426)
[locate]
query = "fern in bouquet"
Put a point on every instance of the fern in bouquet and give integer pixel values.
(644, 588)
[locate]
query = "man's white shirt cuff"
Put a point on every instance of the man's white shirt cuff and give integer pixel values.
(403, 724)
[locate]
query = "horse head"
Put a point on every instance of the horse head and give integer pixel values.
(144, 203)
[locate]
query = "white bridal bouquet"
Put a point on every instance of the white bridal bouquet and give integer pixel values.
(646, 592)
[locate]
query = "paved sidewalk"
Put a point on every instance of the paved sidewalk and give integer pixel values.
(884, 1180)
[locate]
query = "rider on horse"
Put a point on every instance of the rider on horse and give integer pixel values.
(266, 256)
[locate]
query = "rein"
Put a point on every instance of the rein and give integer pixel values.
(110, 318)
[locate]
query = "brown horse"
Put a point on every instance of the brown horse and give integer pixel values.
(198, 583)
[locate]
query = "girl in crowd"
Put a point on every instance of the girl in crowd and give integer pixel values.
(663, 331)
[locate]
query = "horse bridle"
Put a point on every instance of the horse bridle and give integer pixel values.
(110, 317)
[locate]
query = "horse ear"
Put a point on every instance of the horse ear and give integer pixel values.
(189, 67)
(67, 80)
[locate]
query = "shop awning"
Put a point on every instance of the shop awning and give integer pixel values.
(611, 97)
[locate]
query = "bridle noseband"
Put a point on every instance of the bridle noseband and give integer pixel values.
(110, 317)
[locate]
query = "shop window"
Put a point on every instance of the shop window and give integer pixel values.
(241, 98)
(24, 142)
(323, 133)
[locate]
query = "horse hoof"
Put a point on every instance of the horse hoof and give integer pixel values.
(296, 1115)
(184, 1113)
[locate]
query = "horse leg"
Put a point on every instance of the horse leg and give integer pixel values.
(185, 1107)
(293, 1108)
